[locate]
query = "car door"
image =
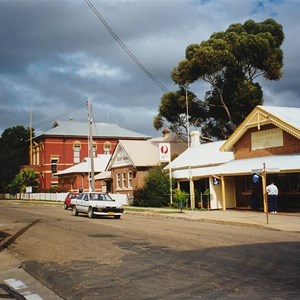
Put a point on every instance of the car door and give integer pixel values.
(81, 202)
(84, 205)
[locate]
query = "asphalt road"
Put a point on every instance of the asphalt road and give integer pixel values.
(140, 257)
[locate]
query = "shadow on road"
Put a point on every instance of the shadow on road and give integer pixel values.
(13, 238)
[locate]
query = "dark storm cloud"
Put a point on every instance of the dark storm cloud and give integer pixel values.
(55, 54)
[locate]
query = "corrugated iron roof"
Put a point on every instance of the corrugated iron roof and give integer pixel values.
(74, 128)
(203, 155)
(290, 115)
(100, 163)
(141, 153)
(273, 164)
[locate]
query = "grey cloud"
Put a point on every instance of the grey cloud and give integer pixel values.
(54, 54)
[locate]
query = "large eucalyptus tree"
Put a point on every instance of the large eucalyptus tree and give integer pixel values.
(230, 62)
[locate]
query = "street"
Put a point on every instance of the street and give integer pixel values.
(140, 257)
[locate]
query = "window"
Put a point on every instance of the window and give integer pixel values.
(118, 180)
(124, 180)
(130, 179)
(76, 149)
(107, 147)
(54, 162)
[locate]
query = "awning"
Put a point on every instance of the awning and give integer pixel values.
(273, 164)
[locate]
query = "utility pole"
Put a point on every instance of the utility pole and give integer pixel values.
(191, 182)
(91, 148)
(30, 138)
(265, 196)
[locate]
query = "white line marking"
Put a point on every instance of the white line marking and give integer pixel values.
(15, 284)
(33, 297)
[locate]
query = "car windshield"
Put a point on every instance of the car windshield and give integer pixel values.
(100, 197)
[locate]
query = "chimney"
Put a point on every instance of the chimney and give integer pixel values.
(195, 138)
(166, 132)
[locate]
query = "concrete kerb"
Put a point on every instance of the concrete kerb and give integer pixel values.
(16, 283)
(187, 217)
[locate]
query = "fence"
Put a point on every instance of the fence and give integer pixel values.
(60, 197)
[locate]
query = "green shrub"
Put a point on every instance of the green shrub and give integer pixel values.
(180, 197)
(156, 191)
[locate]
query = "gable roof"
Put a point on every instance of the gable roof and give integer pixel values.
(139, 153)
(286, 118)
(177, 141)
(202, 155)
(100, 163)
(73, 128)
(172, 137)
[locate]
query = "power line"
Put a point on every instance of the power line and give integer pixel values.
(124, 47)
(52, 119)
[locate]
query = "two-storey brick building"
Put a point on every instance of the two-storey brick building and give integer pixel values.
(67, 144)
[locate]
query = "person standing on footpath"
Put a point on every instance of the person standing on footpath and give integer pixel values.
(272, 192)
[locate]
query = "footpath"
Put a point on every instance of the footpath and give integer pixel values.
(15, 283)
(280, 221)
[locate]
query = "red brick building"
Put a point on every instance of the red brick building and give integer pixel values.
(131, 161)
(66, 144)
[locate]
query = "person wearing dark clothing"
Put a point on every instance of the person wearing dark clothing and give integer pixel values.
(254, 201)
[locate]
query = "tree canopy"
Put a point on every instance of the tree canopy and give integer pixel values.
(229, 62)
(25, 178)
(14, 152)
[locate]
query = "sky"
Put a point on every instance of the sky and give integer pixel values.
(57, 54)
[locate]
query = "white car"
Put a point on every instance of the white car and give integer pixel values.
(96, 204)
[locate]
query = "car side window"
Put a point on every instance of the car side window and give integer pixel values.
(108, 198)
(86, 197)
(80, 196)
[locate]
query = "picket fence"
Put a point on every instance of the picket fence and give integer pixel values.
(60, 197)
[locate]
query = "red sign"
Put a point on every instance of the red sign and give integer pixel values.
(164, 152)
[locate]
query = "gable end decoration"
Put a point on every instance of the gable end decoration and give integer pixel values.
(258, 117)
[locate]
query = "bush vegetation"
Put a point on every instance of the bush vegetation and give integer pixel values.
(156, 191)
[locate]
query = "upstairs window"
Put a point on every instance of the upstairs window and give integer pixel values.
(107, 148)
(76, 149)
(54, 162)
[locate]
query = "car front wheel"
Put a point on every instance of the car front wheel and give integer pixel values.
(90, 213)
(65, 206)
(74, 211)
